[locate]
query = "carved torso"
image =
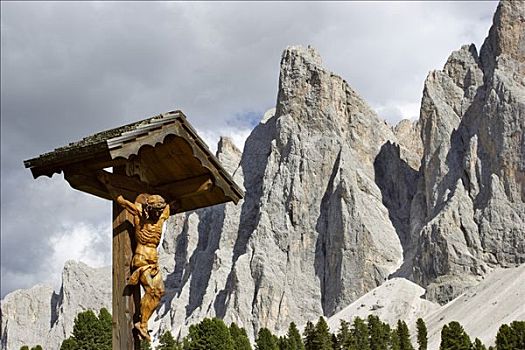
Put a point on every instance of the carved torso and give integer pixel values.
(148, 232)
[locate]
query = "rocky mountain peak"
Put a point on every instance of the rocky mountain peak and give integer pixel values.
(228, 154)
(472, 170)
(463, 68)
(506, 37)
(39, 315)
(300, 55)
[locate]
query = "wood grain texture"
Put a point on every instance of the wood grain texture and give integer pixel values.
(126, 298)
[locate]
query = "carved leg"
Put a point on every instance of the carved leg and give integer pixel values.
(153, 292)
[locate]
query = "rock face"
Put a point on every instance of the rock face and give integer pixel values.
(312, 234)
(40, 316)
(472, 175)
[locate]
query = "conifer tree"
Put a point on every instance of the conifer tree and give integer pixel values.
(511, 337)
(90, 332)
(25, 347)
(285, 343)
(378, 333)
(104, 338)
(309, 336)
(394, 340)
(240, 338)
(145, 345)
(68, 344)
(38, 347)
(359, 333)
(344, 337)
(209, 334)
(422, 338)
(454, 337)
(266, 340)
(518, 328)
(167, 342)
(294, 338)
(404, 336)
(323, 337)
(504, 338)
(334, 341)
(478, 345)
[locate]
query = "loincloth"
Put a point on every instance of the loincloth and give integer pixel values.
(150, 267)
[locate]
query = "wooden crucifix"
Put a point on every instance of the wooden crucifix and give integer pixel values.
(160, 167)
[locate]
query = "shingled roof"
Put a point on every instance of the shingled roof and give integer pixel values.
(162, 154)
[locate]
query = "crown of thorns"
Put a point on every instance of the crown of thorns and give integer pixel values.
(155, 202)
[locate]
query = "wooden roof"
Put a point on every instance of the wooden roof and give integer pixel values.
(159, 155)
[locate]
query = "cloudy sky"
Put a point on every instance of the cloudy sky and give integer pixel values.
(71, 69)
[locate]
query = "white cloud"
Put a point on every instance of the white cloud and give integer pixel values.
(396, 111)
(82, 241)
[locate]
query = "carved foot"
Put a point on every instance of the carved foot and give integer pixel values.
(143, 331)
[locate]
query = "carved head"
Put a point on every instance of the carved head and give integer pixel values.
(155, 204)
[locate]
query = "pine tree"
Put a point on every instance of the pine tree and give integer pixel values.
(394, 340)
(209, 334)
(378, 332)
(359, 333)
(167, 342)
(422, 338)
(25, 347)
(266, 340)
(38, 347)
(334, 341)
(284, 343)
(90, 332)
(240, 338)
(454, 337)
(518, 328)
(404, 336)
(68, 344)
(504, 338)
(294, 338)
(145, 345)
(478, 345)
(309, 336)
(511, 337)
(323, 337)
(104, 337)
(344, 337)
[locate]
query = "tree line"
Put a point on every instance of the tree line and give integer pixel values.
(92, 332)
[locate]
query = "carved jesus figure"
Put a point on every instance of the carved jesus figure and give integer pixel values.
(149, 214)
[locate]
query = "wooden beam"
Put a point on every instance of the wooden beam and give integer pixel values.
(126, 299)
(128, 183)
(188, 187)
(87, 184)
(173, 190)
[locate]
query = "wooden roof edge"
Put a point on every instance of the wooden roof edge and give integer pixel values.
(51, 161)
(55, 161)
(212, 158)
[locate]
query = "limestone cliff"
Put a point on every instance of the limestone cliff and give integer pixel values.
(473, 167)
(40, 316)
(312, 233)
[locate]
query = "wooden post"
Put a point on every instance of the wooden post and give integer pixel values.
(126, 299)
